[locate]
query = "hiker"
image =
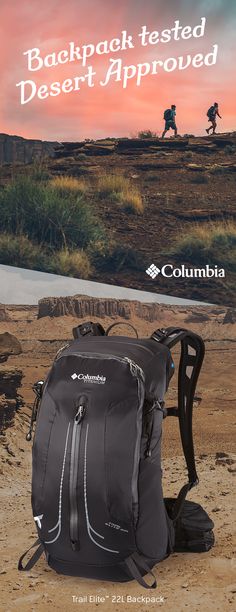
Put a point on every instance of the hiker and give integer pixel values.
(169, 116)
(211, 114)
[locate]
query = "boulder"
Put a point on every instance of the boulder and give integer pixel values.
(230, 316)
(9, 345)
(10, 400)
(197, 317)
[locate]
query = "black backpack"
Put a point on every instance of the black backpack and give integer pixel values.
(211, 111)
(167, 114)
(97, 495)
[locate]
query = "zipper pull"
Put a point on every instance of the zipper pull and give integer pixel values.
(38, 390)
(80, 410)
(160, 405)
(79, 414)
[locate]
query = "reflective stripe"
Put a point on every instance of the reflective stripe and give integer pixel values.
(58, 524)
(89, 527)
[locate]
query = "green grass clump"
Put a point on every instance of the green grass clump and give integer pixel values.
(210, 243)
(112, 257)
(67, 185)
(21, 252)
(48, 224)
(57, 215)
(143, 134)
(121, 190)
(71, 263)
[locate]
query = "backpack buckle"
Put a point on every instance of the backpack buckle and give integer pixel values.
(38, 388)
(159, 335)
(88, 329)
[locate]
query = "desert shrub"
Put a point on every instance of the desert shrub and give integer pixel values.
(114, 258)
(38, 171)
(21, 252)
(81, 156)
(110, 183)
(199, 178)
(98, 251)
(67, 185)
(218, 170)
(188, 155)
(152, 177)
(131, 201)
(71, 263)
(147, 134)
(122, 258)
(47, 217)
(212, 243)
(230, 149)
(121, 190)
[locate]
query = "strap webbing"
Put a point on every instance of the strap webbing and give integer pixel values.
(35, 557)
(133, 563)
(192, 355)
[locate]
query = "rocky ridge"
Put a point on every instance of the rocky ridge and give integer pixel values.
(82, 306)
(15, 149)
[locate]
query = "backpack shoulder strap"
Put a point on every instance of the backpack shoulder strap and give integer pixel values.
(191, 358)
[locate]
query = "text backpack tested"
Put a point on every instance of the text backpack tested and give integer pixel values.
(97, 495)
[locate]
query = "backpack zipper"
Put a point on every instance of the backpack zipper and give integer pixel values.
(74, 469)
(135, 369)
(138, 373)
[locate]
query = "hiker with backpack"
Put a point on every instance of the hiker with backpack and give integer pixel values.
(97, 495)
(169, 117)
(211, 114)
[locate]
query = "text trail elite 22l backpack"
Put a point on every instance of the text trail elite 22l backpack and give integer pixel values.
(97, 495)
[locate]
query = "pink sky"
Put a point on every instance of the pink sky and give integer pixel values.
(112, 111)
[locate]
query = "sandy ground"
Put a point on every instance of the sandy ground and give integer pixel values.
(185, 581)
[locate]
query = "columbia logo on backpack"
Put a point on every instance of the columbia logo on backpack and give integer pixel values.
(97, 493)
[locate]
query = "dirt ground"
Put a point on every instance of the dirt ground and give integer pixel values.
(201, 582)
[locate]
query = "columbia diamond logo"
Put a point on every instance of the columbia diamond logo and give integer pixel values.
(153, 271)
(74, 376)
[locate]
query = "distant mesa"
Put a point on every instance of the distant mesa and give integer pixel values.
(83, 306)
